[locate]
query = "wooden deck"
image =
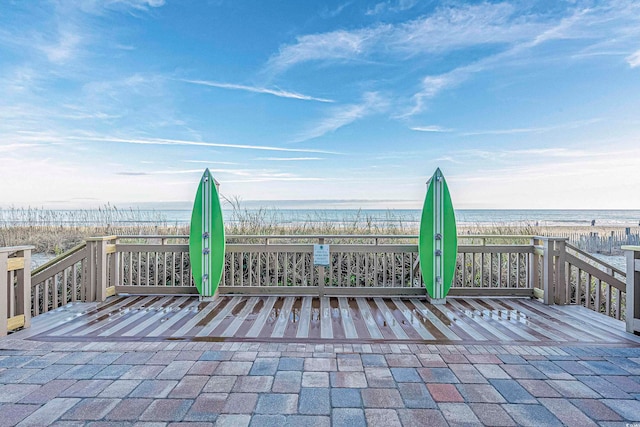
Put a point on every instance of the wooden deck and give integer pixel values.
(467, 321)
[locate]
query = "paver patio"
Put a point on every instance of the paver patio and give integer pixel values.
(108, 382)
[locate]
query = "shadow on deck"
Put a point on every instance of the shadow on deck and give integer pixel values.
(467, 321)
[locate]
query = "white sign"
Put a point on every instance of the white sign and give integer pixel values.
(321, 255)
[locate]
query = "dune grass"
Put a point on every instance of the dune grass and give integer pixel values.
(54, 231)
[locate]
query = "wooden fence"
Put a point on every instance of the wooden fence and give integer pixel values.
(606, 243)
(541, 267)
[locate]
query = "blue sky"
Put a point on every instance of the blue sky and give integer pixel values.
(521, 104)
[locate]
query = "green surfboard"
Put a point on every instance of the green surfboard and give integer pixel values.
(438, 243)
(206, 238)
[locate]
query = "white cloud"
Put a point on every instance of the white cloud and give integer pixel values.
(207, 162)
(163, 141)
(446, 29)
(267, 179)
(433, 85)
(634, 59)
(276, 92)
(540, 129)
(396, 6)
(96, 6)
(326, 13)
(288, 159)
(64, 49)
(6, 148)
(511, 31)
(344, 115)
(335, 45)
(432, 128)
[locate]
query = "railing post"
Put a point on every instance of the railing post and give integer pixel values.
(101, 270)
(98, 268)
(15, 266)
(560, 273)
(547, 271)
(633, 288)
(554, 281)
(90, 283)
(321, 273)
(534, 265)
(4, 303)
(23, 305)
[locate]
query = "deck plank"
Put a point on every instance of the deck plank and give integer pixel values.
(527, 323)
(213, 323)
(283, 318)
(412, 320)
(166, 324)
(262, 318)
(447, 332)
(169, 305)
(391, 321)
(241, 318)
(208, 308)
(347, 319)
(305, 318)
(370, 322)
(326, 327)
(574, 323)
(544, 322)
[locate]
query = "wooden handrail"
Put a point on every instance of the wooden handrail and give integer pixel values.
(335, 236)
(71, 258)
(594, 259)
(12, 249)
(596, 272)
(58, 258)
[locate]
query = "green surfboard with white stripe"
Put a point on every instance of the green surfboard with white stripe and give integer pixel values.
(438, 243)
(206, 237)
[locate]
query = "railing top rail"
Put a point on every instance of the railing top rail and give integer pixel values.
(59, 258)
(630, 248)
(550, 238)
(599, 261)
(322, 236)
(11, 249)
(496, 236)
(339, 236)
(153, 236)
(284, 236)
(100, 238)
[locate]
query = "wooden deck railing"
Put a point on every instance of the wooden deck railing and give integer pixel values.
(633, 288)
(541, 267)
(594, 284)
(15, 288)
(60, 281)
(360, 265)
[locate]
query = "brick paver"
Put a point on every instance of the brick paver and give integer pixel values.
(348, 417)
(262, 384)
